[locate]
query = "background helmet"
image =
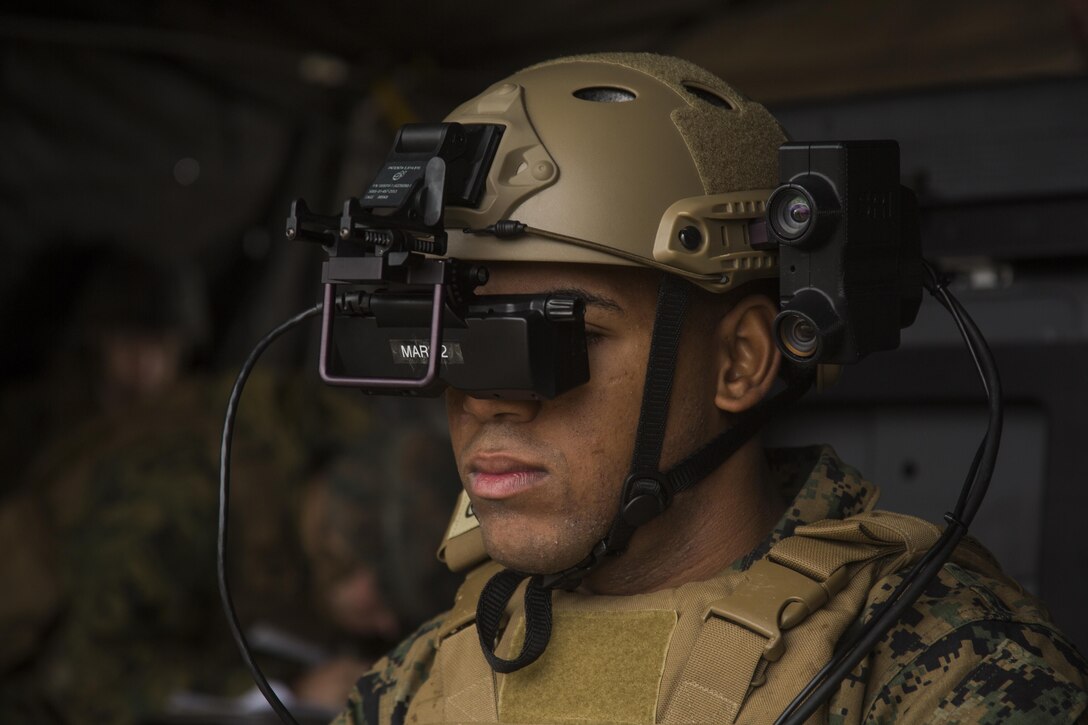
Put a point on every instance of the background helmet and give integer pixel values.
(625, 158)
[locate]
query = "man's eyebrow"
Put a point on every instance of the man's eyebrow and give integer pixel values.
(599, 301)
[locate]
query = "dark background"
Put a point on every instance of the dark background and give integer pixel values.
(183, 129)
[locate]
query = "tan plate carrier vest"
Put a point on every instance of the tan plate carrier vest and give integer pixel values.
(736, 648)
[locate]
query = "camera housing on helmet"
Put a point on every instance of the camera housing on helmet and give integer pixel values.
(849, 253)
(390, 304)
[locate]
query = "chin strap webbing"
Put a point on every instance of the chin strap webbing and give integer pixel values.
(645, 491)
(538, 618)
(701, 463)
(672, 303)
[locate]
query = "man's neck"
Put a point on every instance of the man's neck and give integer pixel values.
(708, 527)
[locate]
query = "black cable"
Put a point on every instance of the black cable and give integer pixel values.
(915, 581)
(972, 472)
(823, 685)
(224, 518)
(986, 460)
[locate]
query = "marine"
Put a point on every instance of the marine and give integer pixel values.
(631, 551)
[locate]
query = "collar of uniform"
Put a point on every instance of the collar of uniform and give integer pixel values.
(819, 486)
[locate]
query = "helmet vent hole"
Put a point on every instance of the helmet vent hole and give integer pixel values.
(604, 94)
(709, 96)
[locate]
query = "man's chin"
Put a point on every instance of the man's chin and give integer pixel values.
(534, 555)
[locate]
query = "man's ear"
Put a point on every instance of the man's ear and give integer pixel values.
(748, 358)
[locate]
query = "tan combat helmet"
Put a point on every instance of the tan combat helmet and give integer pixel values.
(624, 158)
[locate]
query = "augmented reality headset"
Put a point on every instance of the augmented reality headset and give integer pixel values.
(399, 317)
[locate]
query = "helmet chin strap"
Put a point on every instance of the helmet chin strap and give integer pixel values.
(647, 491)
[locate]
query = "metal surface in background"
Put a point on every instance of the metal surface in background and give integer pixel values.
(1009, 142)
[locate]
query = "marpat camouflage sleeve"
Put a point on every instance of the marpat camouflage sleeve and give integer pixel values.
(382, 695)
(973, 649)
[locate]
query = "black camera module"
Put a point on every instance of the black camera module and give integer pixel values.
(849, 252)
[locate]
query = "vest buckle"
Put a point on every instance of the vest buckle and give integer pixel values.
(773, 598)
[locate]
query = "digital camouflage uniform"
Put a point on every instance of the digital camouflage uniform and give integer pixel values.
(972, 649)
(116, 604)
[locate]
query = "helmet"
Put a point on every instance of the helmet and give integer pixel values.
(624, 158)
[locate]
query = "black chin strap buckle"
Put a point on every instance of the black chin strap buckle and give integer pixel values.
(645, 496)
(569, 579)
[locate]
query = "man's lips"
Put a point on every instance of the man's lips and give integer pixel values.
(499, 476)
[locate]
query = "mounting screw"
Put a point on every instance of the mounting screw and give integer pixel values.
(690, 238)
(291, 233)
(478, 274)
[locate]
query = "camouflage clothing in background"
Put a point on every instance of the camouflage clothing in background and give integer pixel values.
(117, 525)
(972, 649)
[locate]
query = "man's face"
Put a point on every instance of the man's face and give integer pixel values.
(545, 477)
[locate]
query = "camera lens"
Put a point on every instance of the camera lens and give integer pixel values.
(791, 213)
(798, 335)
(799, 211)
(792, 216)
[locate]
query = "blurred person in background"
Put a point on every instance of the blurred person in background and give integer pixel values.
(119, 327)
(112, 611)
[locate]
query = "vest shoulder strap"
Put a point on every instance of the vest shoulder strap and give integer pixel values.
(742, 631)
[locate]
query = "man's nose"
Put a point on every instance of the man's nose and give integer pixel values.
(493, 409)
